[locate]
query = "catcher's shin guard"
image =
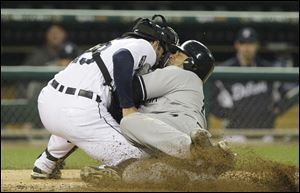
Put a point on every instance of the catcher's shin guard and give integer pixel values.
(37, 173)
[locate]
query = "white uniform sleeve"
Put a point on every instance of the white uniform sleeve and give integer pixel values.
(142, 53)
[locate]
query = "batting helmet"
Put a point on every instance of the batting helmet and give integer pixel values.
(200, 60)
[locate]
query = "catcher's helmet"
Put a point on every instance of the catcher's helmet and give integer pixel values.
(200, 60)
(171, 40)
(170, 37)
(151, 30)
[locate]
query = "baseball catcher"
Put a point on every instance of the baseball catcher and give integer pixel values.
(75, 105)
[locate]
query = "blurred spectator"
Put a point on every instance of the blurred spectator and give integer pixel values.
(56, 52)
(45, 55)
(247, 46)
(66, 53)
(248, 104)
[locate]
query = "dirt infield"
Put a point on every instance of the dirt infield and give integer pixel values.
(20, 181)
(250, 173)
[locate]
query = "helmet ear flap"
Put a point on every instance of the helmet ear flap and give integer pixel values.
(203, 60)
(189, 64)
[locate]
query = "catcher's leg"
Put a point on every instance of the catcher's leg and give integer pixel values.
(50, 161)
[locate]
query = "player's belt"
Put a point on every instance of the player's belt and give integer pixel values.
(72, 91)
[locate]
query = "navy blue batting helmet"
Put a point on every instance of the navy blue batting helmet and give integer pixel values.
(200, 61)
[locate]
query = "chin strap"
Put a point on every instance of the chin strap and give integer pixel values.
(163, 61)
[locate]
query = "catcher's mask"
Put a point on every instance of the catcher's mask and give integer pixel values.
(153, 30)
(169, 48)
(200, 61)
(170, 38)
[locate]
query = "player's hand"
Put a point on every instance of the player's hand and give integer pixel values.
(128, 111)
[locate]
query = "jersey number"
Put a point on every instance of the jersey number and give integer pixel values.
(88, 61)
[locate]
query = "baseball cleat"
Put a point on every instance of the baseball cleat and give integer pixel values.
(99, 175)
(37, 173)
(224, 146)
(211, 158)
(201, 137)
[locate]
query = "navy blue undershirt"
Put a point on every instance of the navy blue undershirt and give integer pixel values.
(123, 69)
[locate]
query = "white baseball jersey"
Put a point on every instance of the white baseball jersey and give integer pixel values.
(84, 73)
(76, 120)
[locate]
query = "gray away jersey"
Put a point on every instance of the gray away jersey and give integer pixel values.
(173, 90)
